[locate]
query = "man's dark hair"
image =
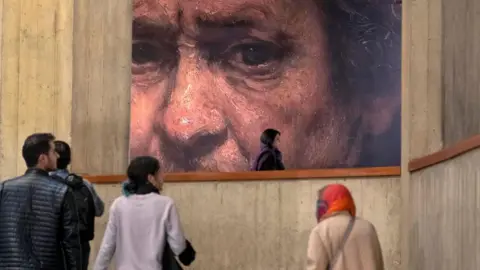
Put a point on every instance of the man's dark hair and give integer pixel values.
(139, 170)
(364, 46)
(34, 146)
(268, 136)
(364, 42)
(63, 150)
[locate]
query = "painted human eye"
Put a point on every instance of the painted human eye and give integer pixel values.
(151, 62)
(149, 56)
(145, 52)
(257, 58)
(256, 54)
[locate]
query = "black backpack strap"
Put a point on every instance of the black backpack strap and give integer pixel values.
(342, 244)
(60, 180)
(87, 214)
(73, 178)
(1, 191)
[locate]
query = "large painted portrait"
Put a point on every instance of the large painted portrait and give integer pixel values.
(208, 76)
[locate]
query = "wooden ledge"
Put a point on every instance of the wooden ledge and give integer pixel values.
(258, 176)
(445, 154)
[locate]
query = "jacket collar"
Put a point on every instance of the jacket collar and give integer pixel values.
(36, 171)
(63, 173)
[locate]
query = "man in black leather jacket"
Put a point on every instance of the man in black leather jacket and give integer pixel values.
(91, 207)
(38, 218)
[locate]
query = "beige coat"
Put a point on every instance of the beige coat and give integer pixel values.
(361, 251)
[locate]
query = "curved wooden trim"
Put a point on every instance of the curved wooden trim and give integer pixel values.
(258, 176)
(445, 154)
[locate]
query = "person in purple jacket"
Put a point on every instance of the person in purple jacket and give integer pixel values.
(269, 158)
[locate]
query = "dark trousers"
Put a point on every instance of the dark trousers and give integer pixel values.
(85, 255)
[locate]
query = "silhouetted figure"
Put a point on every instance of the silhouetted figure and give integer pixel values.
(269, 158)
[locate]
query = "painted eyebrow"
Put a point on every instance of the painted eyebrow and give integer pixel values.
(213, 28)
(229, 22)
(226, 29)
(144, 27)
(244, 16)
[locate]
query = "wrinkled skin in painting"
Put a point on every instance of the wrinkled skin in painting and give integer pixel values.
(209, 76)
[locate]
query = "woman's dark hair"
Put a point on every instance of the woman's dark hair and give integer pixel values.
(268, 136)
(138, 171)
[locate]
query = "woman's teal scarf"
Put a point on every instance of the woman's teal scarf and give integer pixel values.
(145, 189)
(124, 190)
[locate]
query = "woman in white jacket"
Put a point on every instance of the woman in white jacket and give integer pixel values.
(141, 222)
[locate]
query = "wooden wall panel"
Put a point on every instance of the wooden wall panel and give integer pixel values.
(445, 224)
(36, 49)
(265, 224)
(101, 86)
(461, 61)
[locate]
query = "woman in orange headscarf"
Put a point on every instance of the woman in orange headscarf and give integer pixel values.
(341, 240)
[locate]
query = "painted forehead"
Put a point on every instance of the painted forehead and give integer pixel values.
(189, 11)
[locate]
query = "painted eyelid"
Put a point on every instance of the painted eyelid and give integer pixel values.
(163, 50)
(252, 42)
(228, 46)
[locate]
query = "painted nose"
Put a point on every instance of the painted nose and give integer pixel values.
(193, 117)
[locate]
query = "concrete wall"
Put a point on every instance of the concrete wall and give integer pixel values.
(265, 224)
(440, 66)
(65, 68)
(36, 74)
(444, 224)
(461, 65)
(439, 108)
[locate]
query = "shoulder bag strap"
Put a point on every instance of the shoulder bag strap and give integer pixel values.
(342, 244)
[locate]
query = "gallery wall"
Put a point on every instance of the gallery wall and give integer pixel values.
(452, 189)
(70, 73)
(40, 91)
(36, 75)
(261, 225)
(460, 62)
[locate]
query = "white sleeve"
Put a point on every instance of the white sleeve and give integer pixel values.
(107, 249)
(317, 256)
(175, 236)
